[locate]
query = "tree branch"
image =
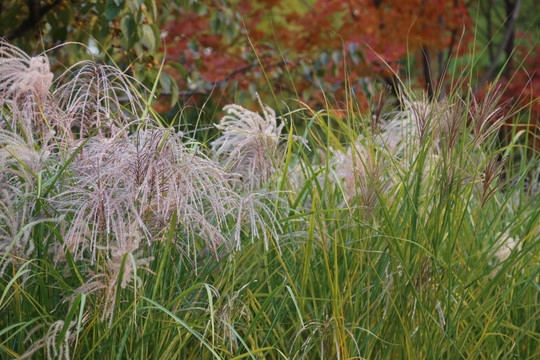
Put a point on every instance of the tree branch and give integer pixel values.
(489, 32)
(443, 65)
(228, 78)
(35, 13)
(502, 47)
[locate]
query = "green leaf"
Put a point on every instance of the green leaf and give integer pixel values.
(185, 325)
(324, 58)
(192, 45)
(135, 5)
(113, 8)
(148, 36)
(165, 81)
(175, 92)
(336, 57)
(80, 298)
(215, 24)
(179, 67)
(129, 29)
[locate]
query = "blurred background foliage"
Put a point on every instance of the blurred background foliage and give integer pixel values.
(203, 54)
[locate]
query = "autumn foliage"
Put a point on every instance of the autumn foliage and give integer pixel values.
(321, 52)
(322, 46)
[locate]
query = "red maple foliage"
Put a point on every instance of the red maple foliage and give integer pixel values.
(302, 49)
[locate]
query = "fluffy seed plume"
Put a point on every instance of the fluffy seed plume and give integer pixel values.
(361, 174)
(249, 143)
(486, 115)
(96, 100)
(56, 349)
(408, 130)
(14, 215)
(22, 76)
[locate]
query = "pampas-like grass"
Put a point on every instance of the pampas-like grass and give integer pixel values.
(15, 241)
(116, 191)
(254, 209)
(54, 348)
(23, 78)
(118, 271)
(97, 199)
(363, 176)
(22, 157)
(97, 100)
(115, 179)
(25, 87)
(249, 143)
(421, 123)
(145, 179)
(134, 207)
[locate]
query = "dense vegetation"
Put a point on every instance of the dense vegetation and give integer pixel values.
(269, 180)
(217, 52)
(401, 234)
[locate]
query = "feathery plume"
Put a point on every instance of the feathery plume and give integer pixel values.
(486, 115)
(408, 130)
(15, 239)
(54, 349)
(144, 179)
(22, 76)
(362, 175)
(249, 143)
(254, 210)
(96, 98)
(97, 198)
(22, 158)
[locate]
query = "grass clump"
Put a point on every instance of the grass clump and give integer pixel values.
(405, 235)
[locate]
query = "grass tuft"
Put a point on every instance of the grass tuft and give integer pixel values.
(407, 233)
